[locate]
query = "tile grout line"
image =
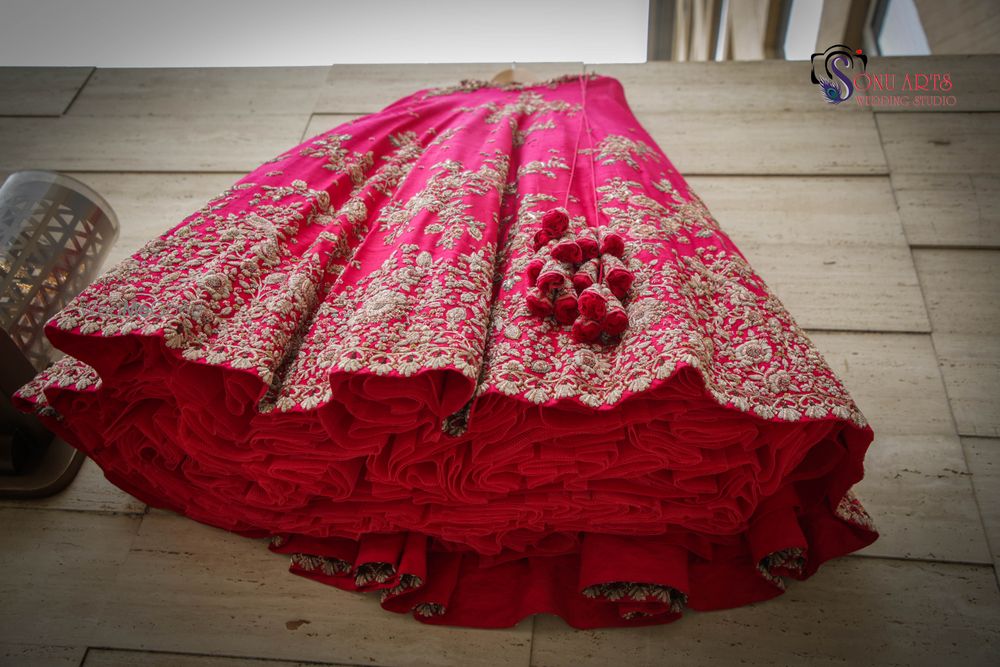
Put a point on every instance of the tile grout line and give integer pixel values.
(264, 661)
(531, 641)
(90, 75)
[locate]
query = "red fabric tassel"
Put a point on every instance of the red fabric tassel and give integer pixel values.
(612, 244)
(593, 303)
(566, 309)
(567, 251)
(618, 278)
(556, 221)
(588, 244)
(540, 303)
(541, 237)
(534, 268)
(554, 274)
(586, 330)
(586, 275)
(616, 319)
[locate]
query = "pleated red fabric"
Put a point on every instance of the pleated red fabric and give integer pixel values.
(483, 351)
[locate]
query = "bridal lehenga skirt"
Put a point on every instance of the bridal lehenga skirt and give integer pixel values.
(483, 353)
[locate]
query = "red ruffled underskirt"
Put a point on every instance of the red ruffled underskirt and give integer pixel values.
(624, 515)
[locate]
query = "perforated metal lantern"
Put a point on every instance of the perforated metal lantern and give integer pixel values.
(55, 233)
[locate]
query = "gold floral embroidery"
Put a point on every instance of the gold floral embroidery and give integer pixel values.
(428, 609)
(373, 573)
(470, 85)
(646, 219)
(526, 104)
(338, 158)
(614, 591)
(851, 510)
(361, 328)
(546, 168)
(445, 194)
(520, 136)
(619, 148)
(367, 575)
(706, 309)
(665, 186)
(329, 566)
(792, 558)
(406, 582)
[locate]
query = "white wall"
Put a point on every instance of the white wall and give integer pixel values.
(233, 33)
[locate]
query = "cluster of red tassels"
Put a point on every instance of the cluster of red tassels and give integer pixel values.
(579, 278)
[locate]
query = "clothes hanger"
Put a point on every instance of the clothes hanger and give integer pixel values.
(515, 74)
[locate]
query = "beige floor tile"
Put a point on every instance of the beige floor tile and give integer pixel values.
(367, 88)
(961, 288)
(89, 491)
(800, 143)
(752, 86)
(970, 365)
(191, 588)
(834, 268)
(916, 481)
(148, 205)
(202, 91)
(116, 658)
(894, 379)
(961, 210)
(941, 143)
(919, 492)
(59, 569)
(147, 143)
(39, 91)
(854, 611)
(983, 455)
(33, 655)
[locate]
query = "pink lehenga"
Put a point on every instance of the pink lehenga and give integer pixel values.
(483, 351)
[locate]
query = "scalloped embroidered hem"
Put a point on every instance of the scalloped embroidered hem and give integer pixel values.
(464, 589)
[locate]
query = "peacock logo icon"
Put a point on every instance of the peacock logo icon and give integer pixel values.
(831, 71)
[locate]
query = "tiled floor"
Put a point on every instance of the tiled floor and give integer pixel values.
(879, 230)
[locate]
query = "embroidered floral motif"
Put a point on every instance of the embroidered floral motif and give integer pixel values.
(618, 148)
(527, 103)
(373, 573)
(406, 582)
(329, 566)
(546, 168)
(614, 591)
(470, 85)
(338, 158)
(791, 559)
(851, 510)
(519, 136)
(706, 309)
(428, 609)
(444, 195)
